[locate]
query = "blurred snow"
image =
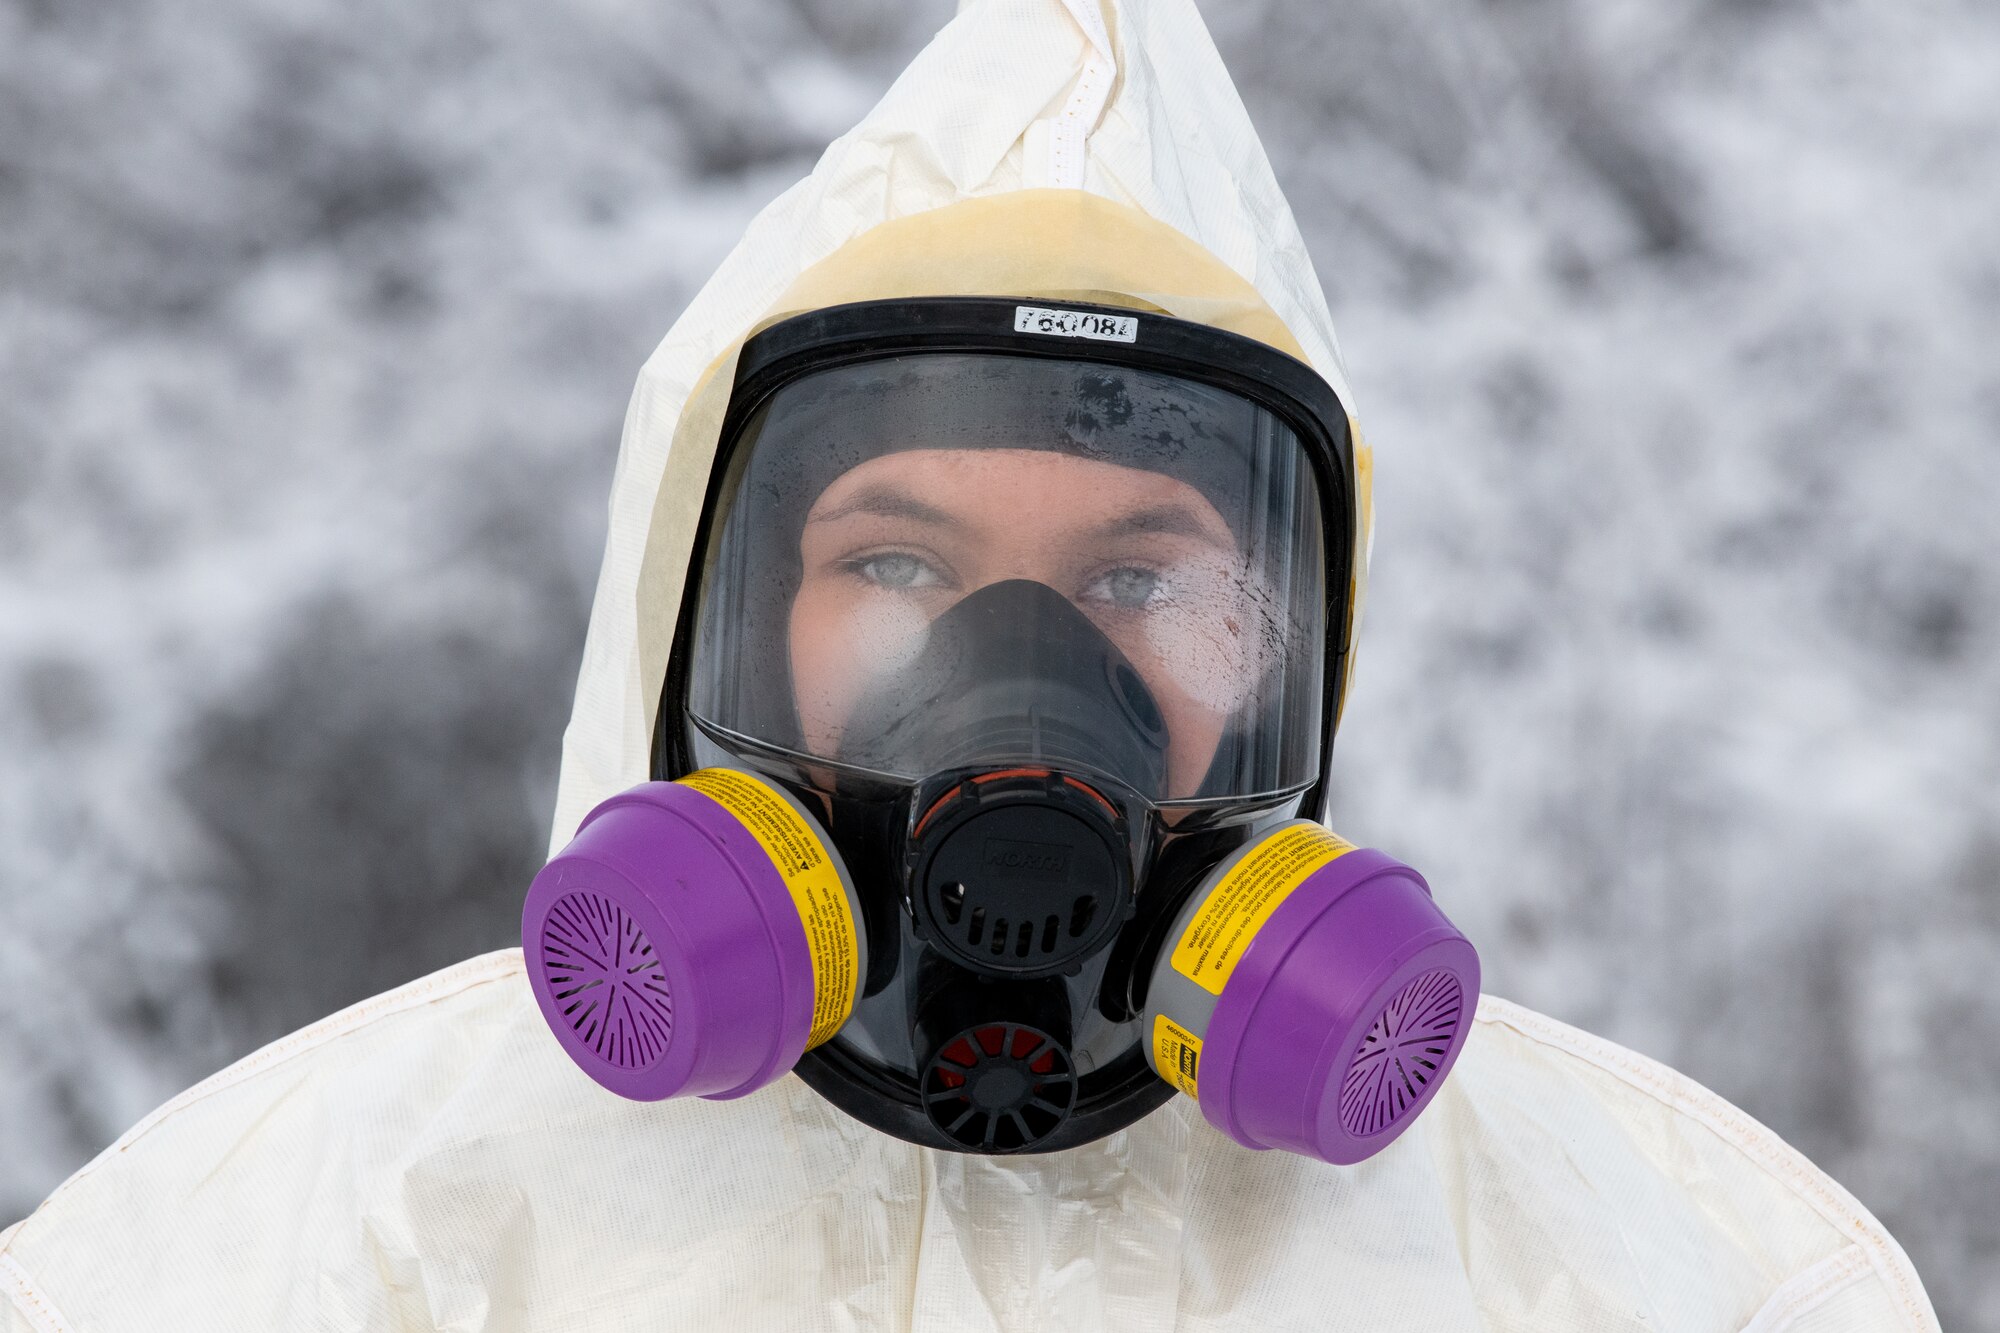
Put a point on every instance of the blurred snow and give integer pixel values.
(1674, 326)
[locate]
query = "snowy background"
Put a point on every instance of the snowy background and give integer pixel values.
(1676, 327)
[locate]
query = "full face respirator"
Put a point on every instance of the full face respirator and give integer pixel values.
(992, 753)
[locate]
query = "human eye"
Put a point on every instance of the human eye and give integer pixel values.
(1129, 588)
(895, 569)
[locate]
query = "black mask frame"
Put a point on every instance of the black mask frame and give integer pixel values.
(1292, 391)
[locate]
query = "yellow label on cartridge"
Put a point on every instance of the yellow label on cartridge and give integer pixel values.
(1243, 900)
(809, 873)
(1177, 1055)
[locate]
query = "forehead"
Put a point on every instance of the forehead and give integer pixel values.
(977, 488)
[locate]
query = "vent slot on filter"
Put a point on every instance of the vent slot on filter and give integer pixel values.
(606, 980)
(1398, 1060)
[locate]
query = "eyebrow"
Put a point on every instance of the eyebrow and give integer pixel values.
(1174, 520)
(886, 501)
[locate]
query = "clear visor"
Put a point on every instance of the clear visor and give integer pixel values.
(948, 560)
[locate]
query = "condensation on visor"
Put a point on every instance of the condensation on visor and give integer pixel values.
(863, 501)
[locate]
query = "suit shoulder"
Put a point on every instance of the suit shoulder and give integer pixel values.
(310, 1122)
(1558, 1132)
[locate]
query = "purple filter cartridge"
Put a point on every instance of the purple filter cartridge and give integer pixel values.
(1311, 996)
(695, 938)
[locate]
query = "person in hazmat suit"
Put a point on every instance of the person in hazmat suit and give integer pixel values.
(987, 548)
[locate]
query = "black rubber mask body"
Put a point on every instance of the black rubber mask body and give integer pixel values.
(1039, 747)
(1013, 675)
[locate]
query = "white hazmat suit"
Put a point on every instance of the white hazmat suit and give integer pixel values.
(431, 1158)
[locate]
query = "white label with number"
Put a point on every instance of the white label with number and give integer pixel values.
(1076, 324)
